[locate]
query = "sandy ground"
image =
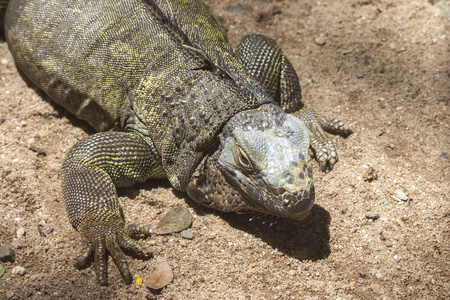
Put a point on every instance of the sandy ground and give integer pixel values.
(383, 66)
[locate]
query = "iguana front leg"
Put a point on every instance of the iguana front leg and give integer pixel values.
(265, 61)
(322, 146)
(92, 170)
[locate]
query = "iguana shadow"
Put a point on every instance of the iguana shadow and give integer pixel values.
(308, 239)
(303, 240)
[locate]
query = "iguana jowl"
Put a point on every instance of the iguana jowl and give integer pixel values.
(227, 128)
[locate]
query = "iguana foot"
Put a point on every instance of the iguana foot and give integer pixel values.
(323, 148)
(112, 238)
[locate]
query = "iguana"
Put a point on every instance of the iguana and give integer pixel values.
(160, 82)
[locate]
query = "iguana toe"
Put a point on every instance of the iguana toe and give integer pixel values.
(135, 230)
(336, 126)
(119, 259)
(85, 258)
(325, 153)
(100, 260)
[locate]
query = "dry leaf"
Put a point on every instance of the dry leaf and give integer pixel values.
(160, 277)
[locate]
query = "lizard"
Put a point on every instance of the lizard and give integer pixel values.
(170, 99)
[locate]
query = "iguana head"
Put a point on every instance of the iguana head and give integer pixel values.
(262, 165)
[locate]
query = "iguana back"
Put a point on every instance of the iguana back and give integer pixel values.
(88, 55)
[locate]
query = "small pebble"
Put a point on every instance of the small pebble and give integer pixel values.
(49, 230)
(235, 9)
(187, 234)
(401, 195)
(370, 174)
(33, 147)
(387, 243)
(18, 270)
(41, 152)
(7, 254)
(400, 222)
(41, 232)
(320, 40)
(20, 232)
(445, 10)
(9, 294)
(372, 216)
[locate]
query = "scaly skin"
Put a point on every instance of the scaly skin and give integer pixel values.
(227, 128)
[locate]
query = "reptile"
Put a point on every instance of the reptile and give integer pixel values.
(170, 99)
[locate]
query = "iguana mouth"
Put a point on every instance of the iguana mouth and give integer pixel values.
(278, 201)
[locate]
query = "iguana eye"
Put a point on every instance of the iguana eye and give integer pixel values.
(243, 159)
